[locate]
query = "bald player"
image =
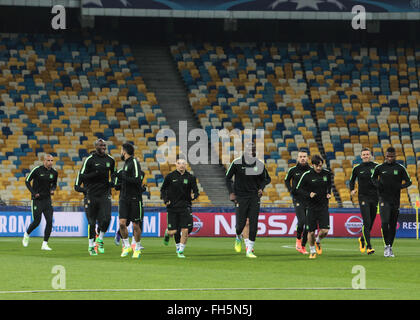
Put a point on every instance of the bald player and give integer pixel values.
(251, 177)
(176, 193)
(44, 183)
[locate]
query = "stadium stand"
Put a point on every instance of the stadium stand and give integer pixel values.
(58, 96)
(333, 99)
(365, 97)
(243, 86)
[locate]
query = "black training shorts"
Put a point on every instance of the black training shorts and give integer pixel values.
(179, 218)
(318, 217)
(131, 210)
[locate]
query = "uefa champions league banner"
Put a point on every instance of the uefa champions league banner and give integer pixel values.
(406, 226)
(68, 224)
(260, 5)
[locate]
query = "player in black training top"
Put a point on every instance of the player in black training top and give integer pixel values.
(117, 185)
(96, 174)
(44, 184)
(388, 177)
(368, 197)
(292, 178)
(251, 177)
(176, 192)
(131, 201)
(315, 187)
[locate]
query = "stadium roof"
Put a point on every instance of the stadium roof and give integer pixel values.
(239, 9)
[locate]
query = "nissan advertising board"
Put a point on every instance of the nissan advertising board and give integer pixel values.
(211, 224)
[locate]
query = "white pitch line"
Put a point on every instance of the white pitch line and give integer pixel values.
(333, 249)
(177, 289)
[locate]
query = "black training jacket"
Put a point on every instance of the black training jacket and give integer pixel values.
(177, 189)
(249, 178)
(96, 173)
(130, 180)
(292, 179)
(388, 177)
(363, 173)
(44, 181)
(319, 183)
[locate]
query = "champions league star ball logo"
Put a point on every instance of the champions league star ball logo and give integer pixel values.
(307, 4)
(354, 225)
(197, 225)
(99, 3)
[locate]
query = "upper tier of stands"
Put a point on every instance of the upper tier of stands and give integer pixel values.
(58, 96)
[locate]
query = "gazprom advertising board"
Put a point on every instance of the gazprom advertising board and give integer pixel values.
(68, 224)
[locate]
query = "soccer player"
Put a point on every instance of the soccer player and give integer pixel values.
(388, 177)
(251, 177)
(368, 197)
(176, 191)
(44, 184)
(292, 178)
(131, 202)
(315, 187)
(96, 173)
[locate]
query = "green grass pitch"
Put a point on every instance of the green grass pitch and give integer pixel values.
(210, 263)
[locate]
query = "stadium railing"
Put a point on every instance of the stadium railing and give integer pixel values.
(76, 205)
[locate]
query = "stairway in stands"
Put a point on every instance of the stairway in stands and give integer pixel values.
(319, 140)
(161, 77)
